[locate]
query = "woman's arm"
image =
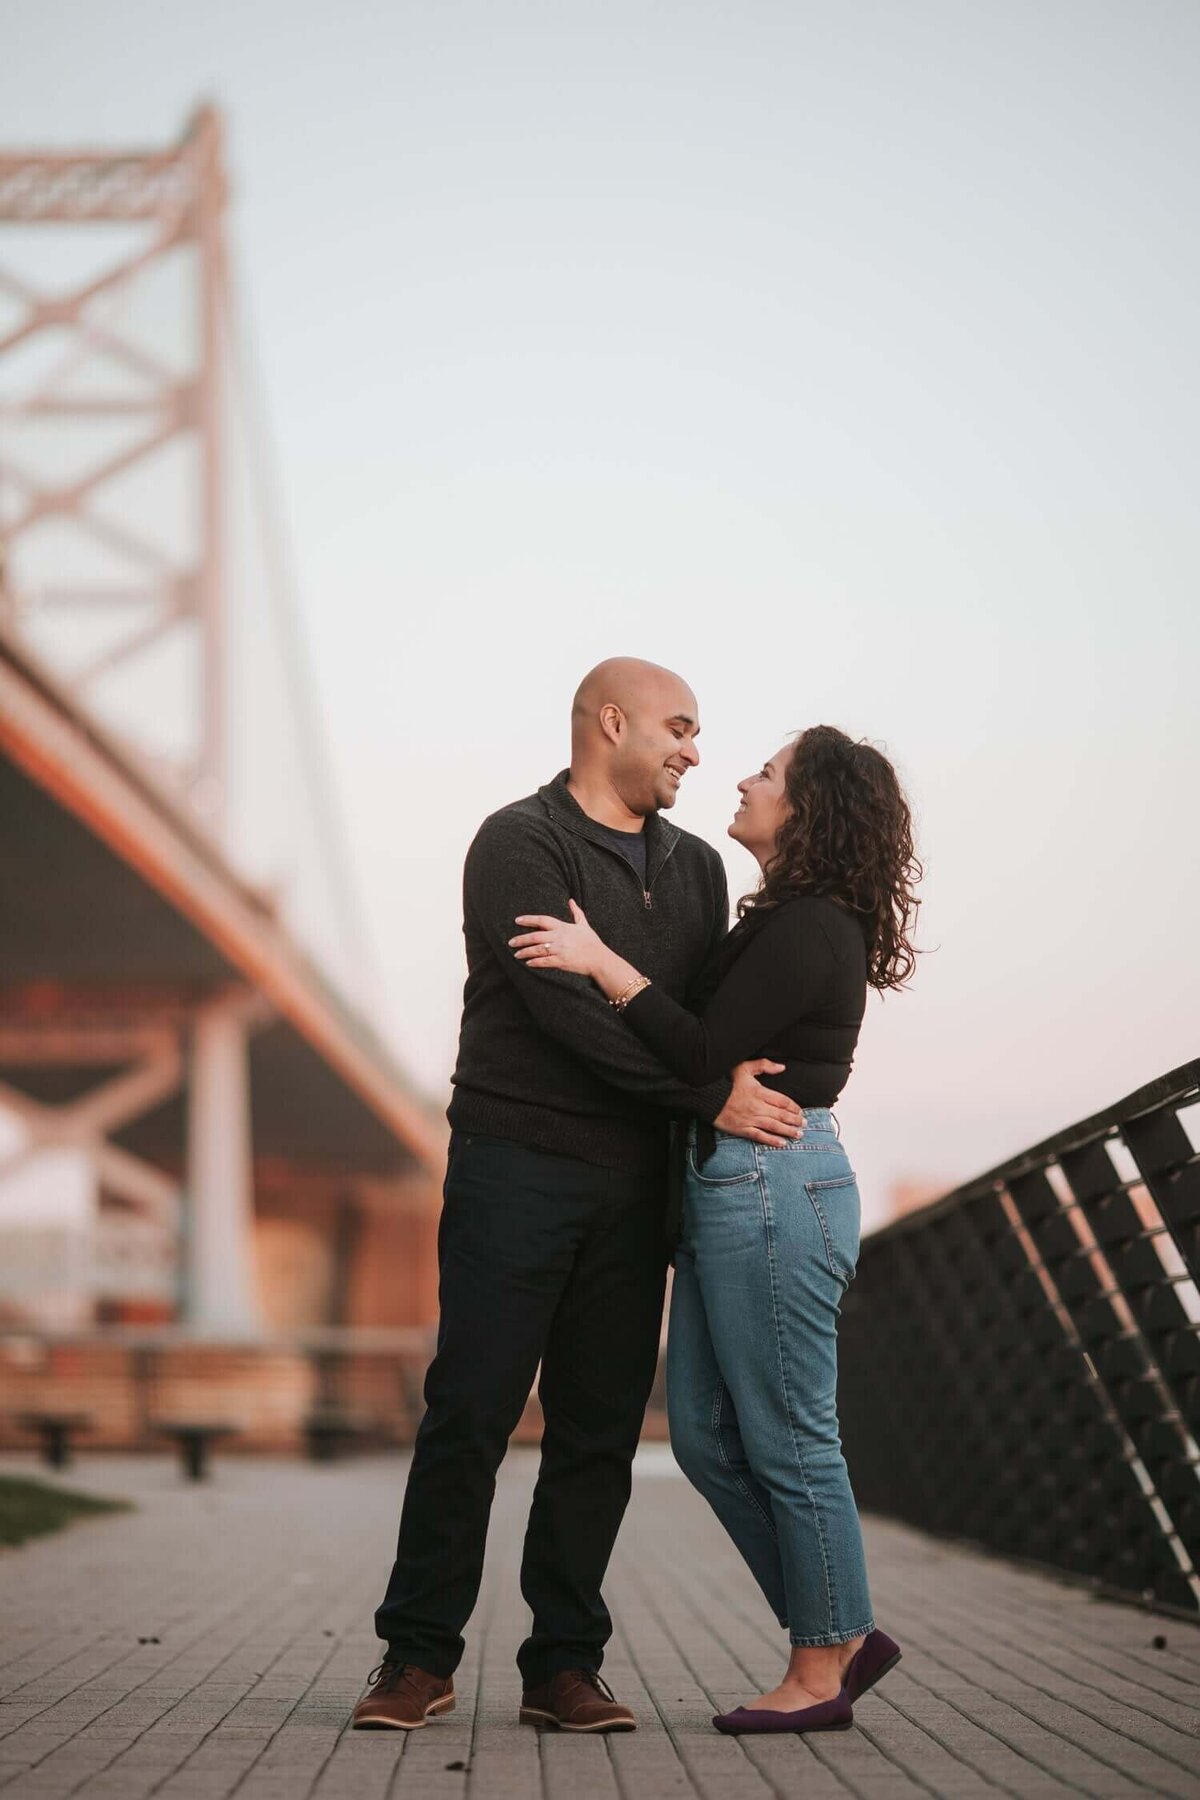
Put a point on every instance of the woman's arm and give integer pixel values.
(555, 944)
(781, 975)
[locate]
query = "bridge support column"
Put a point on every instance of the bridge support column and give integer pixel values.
(219, 1284)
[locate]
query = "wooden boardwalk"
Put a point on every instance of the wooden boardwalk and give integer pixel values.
(213, 1642)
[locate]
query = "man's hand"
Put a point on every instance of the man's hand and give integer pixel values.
(757, 1112)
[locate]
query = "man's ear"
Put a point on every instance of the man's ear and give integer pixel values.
(612, 722)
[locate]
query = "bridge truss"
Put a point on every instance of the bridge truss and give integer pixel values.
(158, 1012)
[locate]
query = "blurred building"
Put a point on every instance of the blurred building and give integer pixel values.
(909, 1193)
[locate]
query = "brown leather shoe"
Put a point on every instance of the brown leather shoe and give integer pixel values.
(403, 1697)
(576, 1700)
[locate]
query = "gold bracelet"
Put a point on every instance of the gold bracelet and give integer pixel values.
(626, 995)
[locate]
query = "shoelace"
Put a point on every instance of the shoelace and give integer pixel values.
(387, 1673)
(598, 1682)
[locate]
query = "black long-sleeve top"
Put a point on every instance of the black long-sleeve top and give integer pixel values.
(789, 983)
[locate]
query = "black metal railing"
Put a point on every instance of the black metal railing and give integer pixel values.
(1020, 1361)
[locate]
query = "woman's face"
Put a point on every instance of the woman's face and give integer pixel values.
(764, 807)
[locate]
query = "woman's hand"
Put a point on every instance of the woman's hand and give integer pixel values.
(555, 944)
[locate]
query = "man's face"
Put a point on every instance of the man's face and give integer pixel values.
(658, 747)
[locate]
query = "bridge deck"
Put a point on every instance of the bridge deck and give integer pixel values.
(212, 1643)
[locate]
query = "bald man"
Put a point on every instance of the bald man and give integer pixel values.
(552, 1247)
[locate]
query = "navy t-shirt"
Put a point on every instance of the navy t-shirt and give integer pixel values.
(629, 844)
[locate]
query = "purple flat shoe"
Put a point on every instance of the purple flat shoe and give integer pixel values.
(876, 1655)
(831, 1715)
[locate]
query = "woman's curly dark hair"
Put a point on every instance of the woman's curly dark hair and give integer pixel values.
(848, 836)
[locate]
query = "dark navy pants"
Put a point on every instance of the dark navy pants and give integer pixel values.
(543, 1259)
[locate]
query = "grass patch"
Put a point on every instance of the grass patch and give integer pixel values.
(30, 1508)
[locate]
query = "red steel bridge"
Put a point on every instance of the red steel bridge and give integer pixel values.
(176, 1014)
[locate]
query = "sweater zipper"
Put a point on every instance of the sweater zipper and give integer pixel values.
(647, 896)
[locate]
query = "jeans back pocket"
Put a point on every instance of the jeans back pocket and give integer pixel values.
(836, 1205)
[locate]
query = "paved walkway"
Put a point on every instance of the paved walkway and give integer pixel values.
(213, 1643)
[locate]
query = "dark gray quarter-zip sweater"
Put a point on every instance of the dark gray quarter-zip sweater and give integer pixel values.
(542, 1057)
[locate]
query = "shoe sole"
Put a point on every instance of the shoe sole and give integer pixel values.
(782, 1730)
(879, 1674)
(533, 1715)
(439, 1706)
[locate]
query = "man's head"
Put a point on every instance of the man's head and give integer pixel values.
(633, 726)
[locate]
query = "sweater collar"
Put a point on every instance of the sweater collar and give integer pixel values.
(560, 803)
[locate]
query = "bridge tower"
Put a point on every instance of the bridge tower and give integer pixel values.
(114, 541)
(118, 361)
(113, 445)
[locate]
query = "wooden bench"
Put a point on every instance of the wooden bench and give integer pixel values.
(193, 1439)
(55, 1430)
(329, 1432)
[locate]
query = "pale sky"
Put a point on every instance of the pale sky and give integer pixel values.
(841, 357)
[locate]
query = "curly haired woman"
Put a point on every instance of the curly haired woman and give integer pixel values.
(770, 1235)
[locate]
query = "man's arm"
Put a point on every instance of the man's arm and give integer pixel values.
(720, 920)
(751, 1110)
(504, 877)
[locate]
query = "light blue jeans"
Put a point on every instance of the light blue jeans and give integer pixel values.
(770, 1241)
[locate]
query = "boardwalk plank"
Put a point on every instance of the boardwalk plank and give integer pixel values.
(260, 1590)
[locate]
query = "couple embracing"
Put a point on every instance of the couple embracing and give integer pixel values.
(608, 1013)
